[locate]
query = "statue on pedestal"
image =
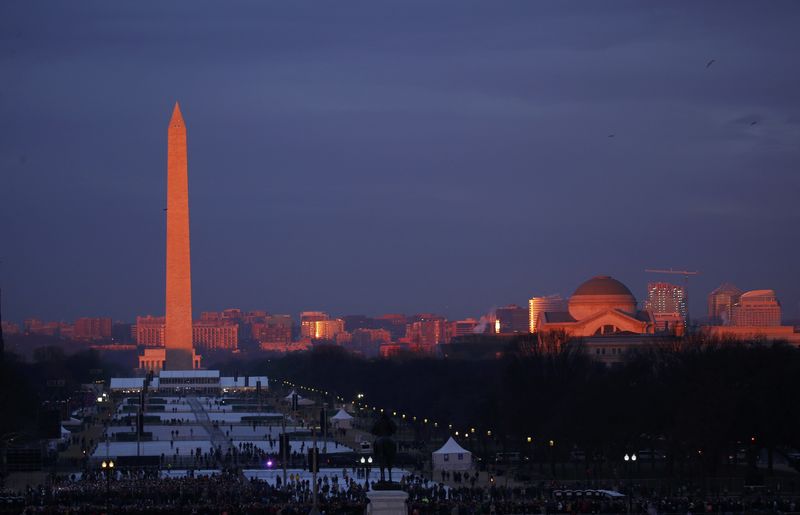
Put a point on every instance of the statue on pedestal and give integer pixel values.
(385, 448)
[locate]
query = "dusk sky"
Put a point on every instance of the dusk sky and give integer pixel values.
(373, 157)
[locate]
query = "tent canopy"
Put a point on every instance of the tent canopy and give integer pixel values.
(451, 447)
(342, 415)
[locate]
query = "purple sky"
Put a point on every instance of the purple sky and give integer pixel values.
(370, 157)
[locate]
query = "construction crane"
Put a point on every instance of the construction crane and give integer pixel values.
(685, 274)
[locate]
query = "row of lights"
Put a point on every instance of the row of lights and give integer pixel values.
(466, 434)
(359, 396)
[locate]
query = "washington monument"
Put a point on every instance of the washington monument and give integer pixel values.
(178, 330)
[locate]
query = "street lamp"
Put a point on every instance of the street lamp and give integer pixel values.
(108, 468)
(366, 463)
(529, 439)
(630, 458)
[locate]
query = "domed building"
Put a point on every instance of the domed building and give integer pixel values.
(600, 306)
(598, 294)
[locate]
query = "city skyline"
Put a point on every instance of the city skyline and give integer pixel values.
(416, 186)
(410, 223)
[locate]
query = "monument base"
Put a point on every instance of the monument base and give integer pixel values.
(160, 358)
(387, 502)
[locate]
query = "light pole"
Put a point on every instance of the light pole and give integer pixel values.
(108, 469)
(314, 465)
(366, 464)
(629, 461)
(530, 453)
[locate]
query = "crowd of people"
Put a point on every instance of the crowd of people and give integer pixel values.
(229, 492)
(135, 491)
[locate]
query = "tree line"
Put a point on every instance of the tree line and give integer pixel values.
(699, 406)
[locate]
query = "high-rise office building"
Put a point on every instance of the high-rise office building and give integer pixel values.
(721, 302)
(207, 333)
(325, 329)
(427, 330)
(308, 320)
(666, 299)
(150, 331)
(757, 308)
(215, 335)
(539, 305)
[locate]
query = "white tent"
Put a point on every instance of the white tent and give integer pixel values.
(452, 457)
(342, 420)
(301, 401)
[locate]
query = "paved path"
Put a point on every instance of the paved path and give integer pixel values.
(218, 438)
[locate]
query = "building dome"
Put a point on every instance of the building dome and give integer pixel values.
(599, 294)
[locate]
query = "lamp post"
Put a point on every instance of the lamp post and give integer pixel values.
(529, 440)
(314, 465)
(629, 461)
(366, 464)
(108, 469)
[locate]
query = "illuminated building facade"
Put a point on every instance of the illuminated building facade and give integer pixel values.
(326, 329)
(427, 330)
(317, 325)
(755, 317)
(757, 308)
(721, 302)
(538, 305)
(600, 311)
(308, 320)
(665, 298)
(213, 335)
(208, 333)
(150, 331)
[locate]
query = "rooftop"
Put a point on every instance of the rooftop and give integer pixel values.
(602, 285)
